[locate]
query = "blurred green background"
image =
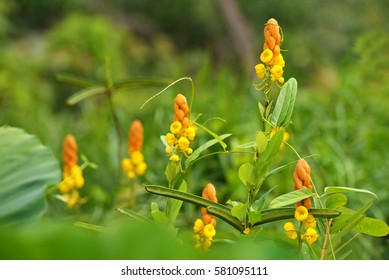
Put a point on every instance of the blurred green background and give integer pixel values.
(337, 50)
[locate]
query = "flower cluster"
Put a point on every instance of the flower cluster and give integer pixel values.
(204, 234)
(72, 173)
(272, 66)
(135, 164)
(204, 228)
(181, 133)
(302, 179)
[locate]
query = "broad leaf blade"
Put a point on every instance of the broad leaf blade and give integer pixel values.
(292, 92)
(370, 226)
(330, 190)
(290, 198)
(336, 200)
(246, 174)
(27, 168)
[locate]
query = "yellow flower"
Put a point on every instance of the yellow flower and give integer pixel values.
(175, 127)
(75, 179)
(137, 157)
(198, 226)
(310, 222)
(207, 244)
(131, 174)
(183, 143)
(127, 164)
(190, 133)
(292, 234)
(141, 168)
(170, 139)
(279, 60)
(174, 158)
(189, 151)
(277, 72)
(301, 213)
(64, 187)
(72, 198)
(266, 55)
(289, 226)
(246, 231)
(209, 231)
(260, 70)
(290, 230)
(310, 236)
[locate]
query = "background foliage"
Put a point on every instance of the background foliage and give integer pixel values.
(336, 50)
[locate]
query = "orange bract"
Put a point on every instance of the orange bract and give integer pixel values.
(69, 152)
(302, 179)
(272, 37)
(181, 110)
(209, 193)
(135, 136)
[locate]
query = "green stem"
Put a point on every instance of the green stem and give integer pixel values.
(115, 118)
(224, 212)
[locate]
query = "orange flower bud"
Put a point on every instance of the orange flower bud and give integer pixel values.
(272, 36)
(135, 136)
(181, 110)
(209, 193)
(302, 179)
(69, 152)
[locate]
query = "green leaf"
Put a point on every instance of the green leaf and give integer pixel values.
(75, 80)
(26, 169)
(336, 200)
(259, 204)
(158, 216)
(172, 170)
(330, 190)
(290, 198)
(246, 174)
(85, 93)
(217, 137)
(367, 225)
(174, 205)
(261, 141)
(196, 153)
(345, 223)
(135, 216)
(90, 227)
(265, 159)
(292, 91)
(283, 109)
(261, 109)
(254, 216)
(239, 210)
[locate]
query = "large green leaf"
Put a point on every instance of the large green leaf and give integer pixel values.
(367, 225)
(290, 198)
(330, 190)
(283, 109)
(26, 168)
(265, 159)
